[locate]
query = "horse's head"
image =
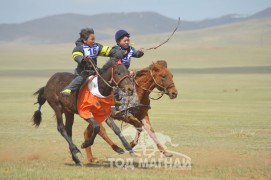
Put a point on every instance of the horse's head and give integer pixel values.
(118, 75)
(163, 78)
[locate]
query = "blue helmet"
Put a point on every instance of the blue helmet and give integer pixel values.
(120, 33)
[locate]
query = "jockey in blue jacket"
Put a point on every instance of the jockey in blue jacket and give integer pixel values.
(122, 38)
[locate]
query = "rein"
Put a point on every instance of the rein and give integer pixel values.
(112, 74)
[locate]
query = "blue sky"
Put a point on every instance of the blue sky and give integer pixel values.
(18, 11)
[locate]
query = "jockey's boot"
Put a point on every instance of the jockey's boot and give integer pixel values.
(114, 111)
(66, 92)
(118, 103)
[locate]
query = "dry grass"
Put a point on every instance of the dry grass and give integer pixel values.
(221, 121)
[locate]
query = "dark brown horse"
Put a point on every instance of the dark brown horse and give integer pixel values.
(157, 75)
(112, 73)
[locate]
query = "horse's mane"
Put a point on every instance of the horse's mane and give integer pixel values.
(142, 71)
(107, 65)
(147, 69)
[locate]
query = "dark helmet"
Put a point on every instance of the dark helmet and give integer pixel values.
(121, 33)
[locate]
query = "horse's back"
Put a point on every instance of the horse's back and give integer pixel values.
(55, 85)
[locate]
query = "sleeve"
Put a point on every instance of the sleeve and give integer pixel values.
(78, 54)
(136, 53)
(109, 52)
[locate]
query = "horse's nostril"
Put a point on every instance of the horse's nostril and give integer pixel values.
(173, 95)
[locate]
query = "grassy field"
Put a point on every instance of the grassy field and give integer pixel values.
(221, 121)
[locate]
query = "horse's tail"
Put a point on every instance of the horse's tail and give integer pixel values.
(41, 100)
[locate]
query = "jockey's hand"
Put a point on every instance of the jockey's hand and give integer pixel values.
(87, 59)
(141, 51)
(132, 73)
(124, 53)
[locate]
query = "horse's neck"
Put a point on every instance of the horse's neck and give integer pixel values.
(144, 82)
(104, 89)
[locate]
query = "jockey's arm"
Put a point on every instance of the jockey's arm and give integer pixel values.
(110, 52)
(137, 53)
(78, 54)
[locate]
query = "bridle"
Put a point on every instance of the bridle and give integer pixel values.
(112, 74)
(164, 91)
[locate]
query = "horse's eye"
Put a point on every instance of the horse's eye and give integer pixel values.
(164, 77)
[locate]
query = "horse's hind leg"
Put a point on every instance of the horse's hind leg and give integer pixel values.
(68, 126)
(87, 134)
(69, 123)
(62, 130)
(104, 135)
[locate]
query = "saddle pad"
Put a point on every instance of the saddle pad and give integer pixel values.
(92, 104)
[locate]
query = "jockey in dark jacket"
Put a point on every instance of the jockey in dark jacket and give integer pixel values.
(122, 38)
(87, 50)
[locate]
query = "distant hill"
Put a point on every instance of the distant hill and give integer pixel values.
(65, 27)
(249, 33)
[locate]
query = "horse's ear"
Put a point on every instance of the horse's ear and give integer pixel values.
(155, 68)
(162, 62)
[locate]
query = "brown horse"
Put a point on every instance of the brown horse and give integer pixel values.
(157, 75)
(112, 73)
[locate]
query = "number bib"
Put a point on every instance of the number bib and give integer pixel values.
(126, 59)
(91, 51)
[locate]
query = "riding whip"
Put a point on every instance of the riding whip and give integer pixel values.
(155, 47)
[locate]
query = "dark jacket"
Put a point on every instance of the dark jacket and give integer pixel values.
(82, 50)
(131, 52)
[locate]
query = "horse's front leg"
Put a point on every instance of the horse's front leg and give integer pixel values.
(138, 125)
(115, 147)
(149, 129)
(104, 135)
(110, 122)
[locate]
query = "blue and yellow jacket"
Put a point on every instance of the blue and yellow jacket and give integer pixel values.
(82, 50)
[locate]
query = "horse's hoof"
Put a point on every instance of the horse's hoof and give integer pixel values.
(76, 160)
(93, 160)
(75, 151)
(78, 164)
(85, 145)
(133, 154)
(118, 149)
(132, 144)
(167, 154)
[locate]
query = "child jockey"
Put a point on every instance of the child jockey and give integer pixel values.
(122, 38)
(87, 50)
